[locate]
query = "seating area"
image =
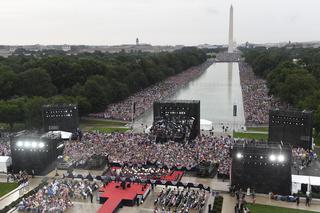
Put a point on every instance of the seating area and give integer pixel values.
(176, 200)
(54, 197)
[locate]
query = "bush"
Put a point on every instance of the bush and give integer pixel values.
(217, 206)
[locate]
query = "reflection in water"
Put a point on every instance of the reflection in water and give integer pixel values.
(229, 82)
(218, 89)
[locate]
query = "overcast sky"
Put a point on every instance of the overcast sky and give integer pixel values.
(188, 22)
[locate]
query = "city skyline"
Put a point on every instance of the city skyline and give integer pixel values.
(179, 22)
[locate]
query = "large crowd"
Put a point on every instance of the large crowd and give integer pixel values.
(144, 99)
(183, 201)
(54, 197)
(256, 100)
(57, 196)
(138, 172)
(4, 145)
(142, 149)
(21, 178)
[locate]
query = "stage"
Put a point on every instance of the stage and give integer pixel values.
(112, 196)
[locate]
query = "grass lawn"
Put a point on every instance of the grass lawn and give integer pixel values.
(89, 124)
(109, 129)
(7, 187)
(258, 129)
(258, 208)
(256, 136)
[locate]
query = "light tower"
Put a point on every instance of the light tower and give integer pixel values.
(231, 43)
(137, 41)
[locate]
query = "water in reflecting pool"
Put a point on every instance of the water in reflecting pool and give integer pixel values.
(218, 89)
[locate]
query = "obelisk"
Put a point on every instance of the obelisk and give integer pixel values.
(231, 43)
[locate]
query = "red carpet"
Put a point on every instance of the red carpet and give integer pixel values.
(117, 195)
(175, 176)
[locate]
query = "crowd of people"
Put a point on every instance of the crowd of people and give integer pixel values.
(256, 100)
(21, 178)
(139, 172)
(165, 129)
(141, 149)
(143, 100)
(182, 201)
(57, 196)
(54, 197)
(302, 158)
(4, 145)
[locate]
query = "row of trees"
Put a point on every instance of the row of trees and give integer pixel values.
(292, 75)
(91, 80)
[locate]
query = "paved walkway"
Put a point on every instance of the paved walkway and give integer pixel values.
(229, 203)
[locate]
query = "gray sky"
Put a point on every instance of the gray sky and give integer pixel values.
(189, 22)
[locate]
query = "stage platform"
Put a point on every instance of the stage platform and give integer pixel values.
(112, 196)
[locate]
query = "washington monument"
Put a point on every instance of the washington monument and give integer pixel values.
(231, 43)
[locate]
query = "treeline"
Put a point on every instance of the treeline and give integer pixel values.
(91, 80)
(292, 74)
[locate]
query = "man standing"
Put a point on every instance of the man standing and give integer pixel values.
(91, 196)
(307, 200)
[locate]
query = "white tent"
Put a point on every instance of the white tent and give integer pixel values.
(297, 180)
(64, 135)
(205, 125)
(5, 161)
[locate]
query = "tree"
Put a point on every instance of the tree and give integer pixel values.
(7, 82)
(97, 91)
(10, 113)
(297, 86)
(311, 101)
(84, 105)
(36, 82)
(33, 112)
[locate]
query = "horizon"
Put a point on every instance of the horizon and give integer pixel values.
(120, 44)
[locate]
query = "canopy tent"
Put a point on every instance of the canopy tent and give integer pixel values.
(64, 135)
(205, 125)
(297, 180)
(5, 161)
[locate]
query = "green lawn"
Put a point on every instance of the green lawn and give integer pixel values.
(7, 187)
(90, 124)
(258, 129)
(258, 208)
(256, 136)
(109, 129)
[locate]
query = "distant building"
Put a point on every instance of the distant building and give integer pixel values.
(137, 41)
(66, 47)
